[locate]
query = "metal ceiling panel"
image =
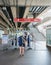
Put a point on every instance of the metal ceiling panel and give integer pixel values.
(1, 22)
(34, 9)
(21, 11)
(2, 14)
(25, 14)
(37, 9)
(40, 9)
(30, 9)
(5, 12)
(6, 2)
(1, 25)
(21, 2)
(13, 9)
(41, 2)
(11, 16)
(28, 2)
(1, 2)
(43, 9)
(13, 2)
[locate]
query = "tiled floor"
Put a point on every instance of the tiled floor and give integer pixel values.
(39, 55)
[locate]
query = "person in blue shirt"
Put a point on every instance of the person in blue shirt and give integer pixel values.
(21, 45)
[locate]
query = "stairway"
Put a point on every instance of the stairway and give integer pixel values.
(37, 34)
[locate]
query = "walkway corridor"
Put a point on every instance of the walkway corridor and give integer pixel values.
(39, 55)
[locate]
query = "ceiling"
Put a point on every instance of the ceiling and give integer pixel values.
(25, 2)
(10, 9)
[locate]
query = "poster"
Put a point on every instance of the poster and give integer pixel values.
(4, 39)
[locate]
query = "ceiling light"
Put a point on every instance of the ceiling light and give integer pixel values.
(4, 8)
(10, 19)
(33, 9)
(37, 8)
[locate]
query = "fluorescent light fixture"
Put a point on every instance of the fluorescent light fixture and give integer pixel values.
(4, 8)
(40, 9)
(33, 9)
(10, 19)
(43, 9)
(37, 8)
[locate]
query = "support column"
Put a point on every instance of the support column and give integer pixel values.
(6, 31)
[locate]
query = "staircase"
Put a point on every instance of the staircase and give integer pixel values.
(37, 34)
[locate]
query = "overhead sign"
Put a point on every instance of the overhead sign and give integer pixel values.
(27, 20)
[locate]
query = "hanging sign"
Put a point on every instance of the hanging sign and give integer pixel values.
(27, 20)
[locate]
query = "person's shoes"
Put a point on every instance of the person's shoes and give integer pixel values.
(22, 54)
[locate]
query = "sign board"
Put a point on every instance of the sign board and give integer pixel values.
(4, 39)
(27, 20)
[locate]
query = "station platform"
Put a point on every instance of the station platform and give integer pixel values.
(39, 55)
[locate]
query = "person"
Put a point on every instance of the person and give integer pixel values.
(28, 40)
(12, 42)
(25, 37)
(16, 40)
(15, 44)
(21, 45)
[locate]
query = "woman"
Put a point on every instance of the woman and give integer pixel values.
(21, 45)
